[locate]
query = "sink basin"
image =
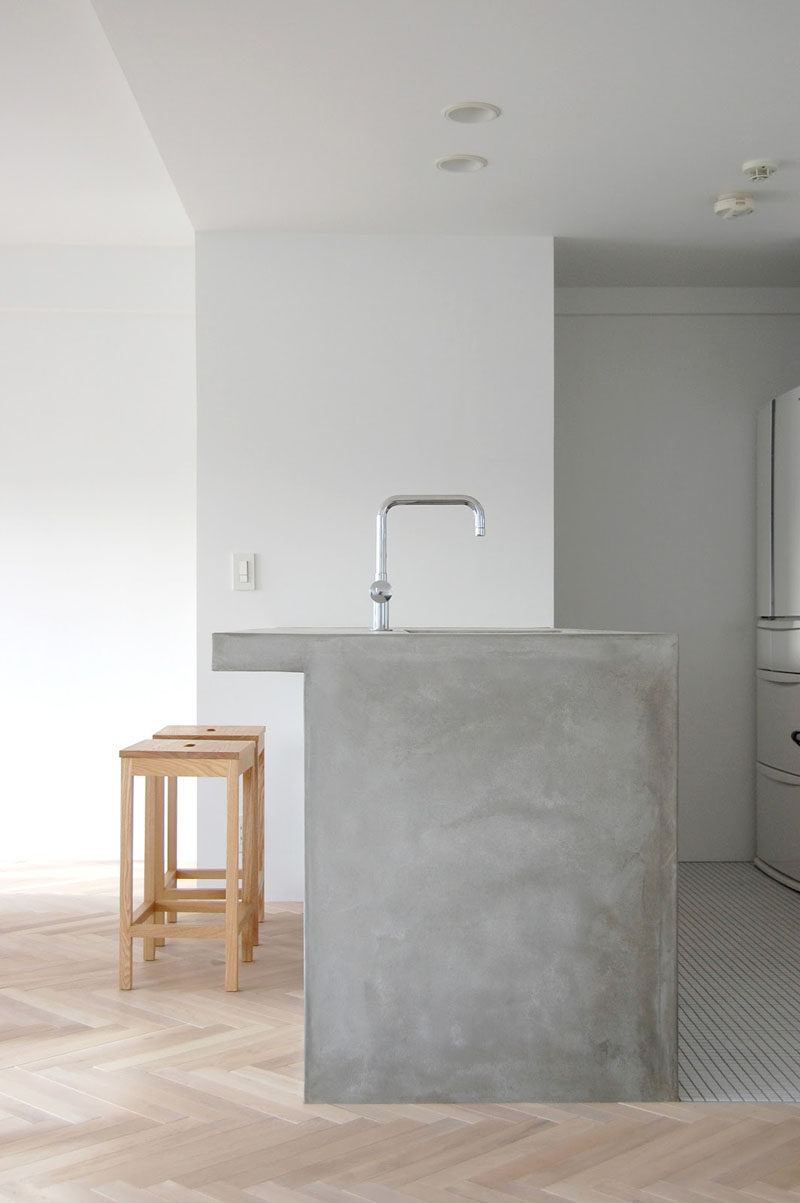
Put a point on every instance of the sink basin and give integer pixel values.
(410, 631)
(468, 631)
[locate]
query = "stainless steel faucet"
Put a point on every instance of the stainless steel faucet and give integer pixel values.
(380, 590)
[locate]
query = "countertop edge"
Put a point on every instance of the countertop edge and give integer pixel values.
(279, 649)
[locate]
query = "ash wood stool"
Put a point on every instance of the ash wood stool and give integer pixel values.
(155, 760)
(175, 874)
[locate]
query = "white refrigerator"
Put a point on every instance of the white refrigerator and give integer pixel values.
(778, 639)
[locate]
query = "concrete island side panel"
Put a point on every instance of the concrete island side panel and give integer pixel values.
(490, 856)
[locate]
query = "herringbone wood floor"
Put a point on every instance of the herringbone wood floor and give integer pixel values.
(177, 1091)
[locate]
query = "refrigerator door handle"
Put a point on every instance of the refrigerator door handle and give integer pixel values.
(778, 678)
(766, 770)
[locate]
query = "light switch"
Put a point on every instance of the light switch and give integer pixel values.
(244, 570)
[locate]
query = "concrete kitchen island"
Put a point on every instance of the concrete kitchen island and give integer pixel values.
(490, 861)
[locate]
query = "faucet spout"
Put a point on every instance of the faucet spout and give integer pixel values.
(381, 590)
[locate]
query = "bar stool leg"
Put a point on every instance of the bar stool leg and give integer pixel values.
(250, 861)
(158, 850)
(232, 883)
(262, 868)
(172, 838)
(126, 879)
(150, 857)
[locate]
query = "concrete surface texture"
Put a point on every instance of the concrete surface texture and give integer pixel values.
(490, 848)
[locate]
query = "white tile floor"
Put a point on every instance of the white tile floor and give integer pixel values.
(739, 985)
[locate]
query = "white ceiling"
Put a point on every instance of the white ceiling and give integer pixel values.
(622, 120)
(79, 165)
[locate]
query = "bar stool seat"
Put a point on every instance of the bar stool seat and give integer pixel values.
(155, 760)
(204, 732)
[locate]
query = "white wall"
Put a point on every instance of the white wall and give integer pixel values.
(332, 372)
(97, 539)
(656, 396)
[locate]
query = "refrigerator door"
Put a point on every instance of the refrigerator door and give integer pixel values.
(778, 644)
(778, 824)
(764, 510)
(785, 576)
(778, 720)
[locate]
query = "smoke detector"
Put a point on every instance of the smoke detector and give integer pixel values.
(734, 204)
(759, 169)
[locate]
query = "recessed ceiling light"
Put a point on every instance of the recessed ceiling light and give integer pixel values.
(471, 112)
(462, 163)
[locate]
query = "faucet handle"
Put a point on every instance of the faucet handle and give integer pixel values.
(380, 591)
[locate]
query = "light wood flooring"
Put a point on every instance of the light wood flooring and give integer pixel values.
(178, 1091)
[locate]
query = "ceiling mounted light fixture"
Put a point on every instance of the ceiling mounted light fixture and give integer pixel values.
(472, 112)
(462, 163)
(734, 204)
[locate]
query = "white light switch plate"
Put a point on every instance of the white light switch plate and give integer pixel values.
(244, 570)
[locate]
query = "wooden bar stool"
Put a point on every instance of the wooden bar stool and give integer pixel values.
(173, 872)
(156, 759)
